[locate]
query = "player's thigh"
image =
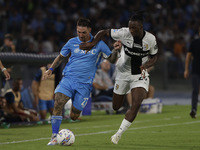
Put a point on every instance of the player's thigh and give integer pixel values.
(117, 101)
(120, 89)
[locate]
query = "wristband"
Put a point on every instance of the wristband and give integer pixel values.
(51, 69)
(3, 69)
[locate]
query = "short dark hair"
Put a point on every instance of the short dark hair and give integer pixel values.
(83, 22)
(8, 36)
(138, 16)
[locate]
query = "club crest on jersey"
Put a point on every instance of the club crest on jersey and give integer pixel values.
(117, 86)
(146, 46)
(76, 50)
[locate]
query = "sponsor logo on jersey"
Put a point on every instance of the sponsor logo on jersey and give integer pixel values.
(135, 53)
(137, 45)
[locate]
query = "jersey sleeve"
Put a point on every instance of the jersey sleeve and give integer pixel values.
(105, 49)
(154, 48)
(10, 98)
(66, 49)
(38, 75)
(117, 34)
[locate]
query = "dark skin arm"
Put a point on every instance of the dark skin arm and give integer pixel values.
(148, 64)
(114, 56)
(99, 36)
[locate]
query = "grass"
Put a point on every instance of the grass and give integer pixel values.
(173, 129)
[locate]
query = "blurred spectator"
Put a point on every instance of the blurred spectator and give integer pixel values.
(5, 115)
(193, 55)
(103, 82)
(8, 44)
(169, 20)
(43, 91)
(15, 105)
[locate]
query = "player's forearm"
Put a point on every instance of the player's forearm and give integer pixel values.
(187, 61)
(58, 60)
(100, 35)
(114, 56)
(150, 62)
(1, 65)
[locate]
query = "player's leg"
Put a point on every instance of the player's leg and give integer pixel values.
(139, 92)
(50, 105)
(120, 89)
(195, 92)
(56, 119)
(75, 113)
(43, 109)
(151, 92)
(117, 101)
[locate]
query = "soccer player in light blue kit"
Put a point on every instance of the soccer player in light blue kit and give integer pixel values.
(78, 74)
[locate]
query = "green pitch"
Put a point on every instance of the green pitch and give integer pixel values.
(171, 130)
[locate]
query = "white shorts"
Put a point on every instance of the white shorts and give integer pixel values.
(124, 86)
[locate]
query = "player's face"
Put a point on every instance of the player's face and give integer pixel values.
(83, 33)
(136, 28)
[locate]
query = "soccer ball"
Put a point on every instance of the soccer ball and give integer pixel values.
(65, 137)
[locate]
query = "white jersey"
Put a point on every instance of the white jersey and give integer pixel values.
(134, 52)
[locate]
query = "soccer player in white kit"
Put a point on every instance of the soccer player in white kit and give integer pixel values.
(138, 53)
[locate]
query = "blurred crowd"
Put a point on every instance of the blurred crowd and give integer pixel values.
(43, 26)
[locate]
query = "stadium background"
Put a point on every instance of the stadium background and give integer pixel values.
(43, 26)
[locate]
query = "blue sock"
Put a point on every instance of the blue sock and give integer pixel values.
(55, 123)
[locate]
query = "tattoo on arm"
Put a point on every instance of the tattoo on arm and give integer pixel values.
(57, 61)
(113, 57)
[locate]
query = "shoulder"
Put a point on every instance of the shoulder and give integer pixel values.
(123, 30)
(149, 37)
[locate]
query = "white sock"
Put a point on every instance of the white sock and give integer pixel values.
(123, 127)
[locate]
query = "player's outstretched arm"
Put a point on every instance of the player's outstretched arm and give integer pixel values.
(4, 70)
(99, 36)
(114, 56)
(58, 60)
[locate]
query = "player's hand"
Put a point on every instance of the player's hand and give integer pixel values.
(143, 71)
(47, 74)
(118, 45)
(186, 74)
(86, 46)
(7, 75)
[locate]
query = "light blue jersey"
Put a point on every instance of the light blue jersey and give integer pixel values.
(81, 66)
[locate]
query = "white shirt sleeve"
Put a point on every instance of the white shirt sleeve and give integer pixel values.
(117, 34)
(154, 48)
